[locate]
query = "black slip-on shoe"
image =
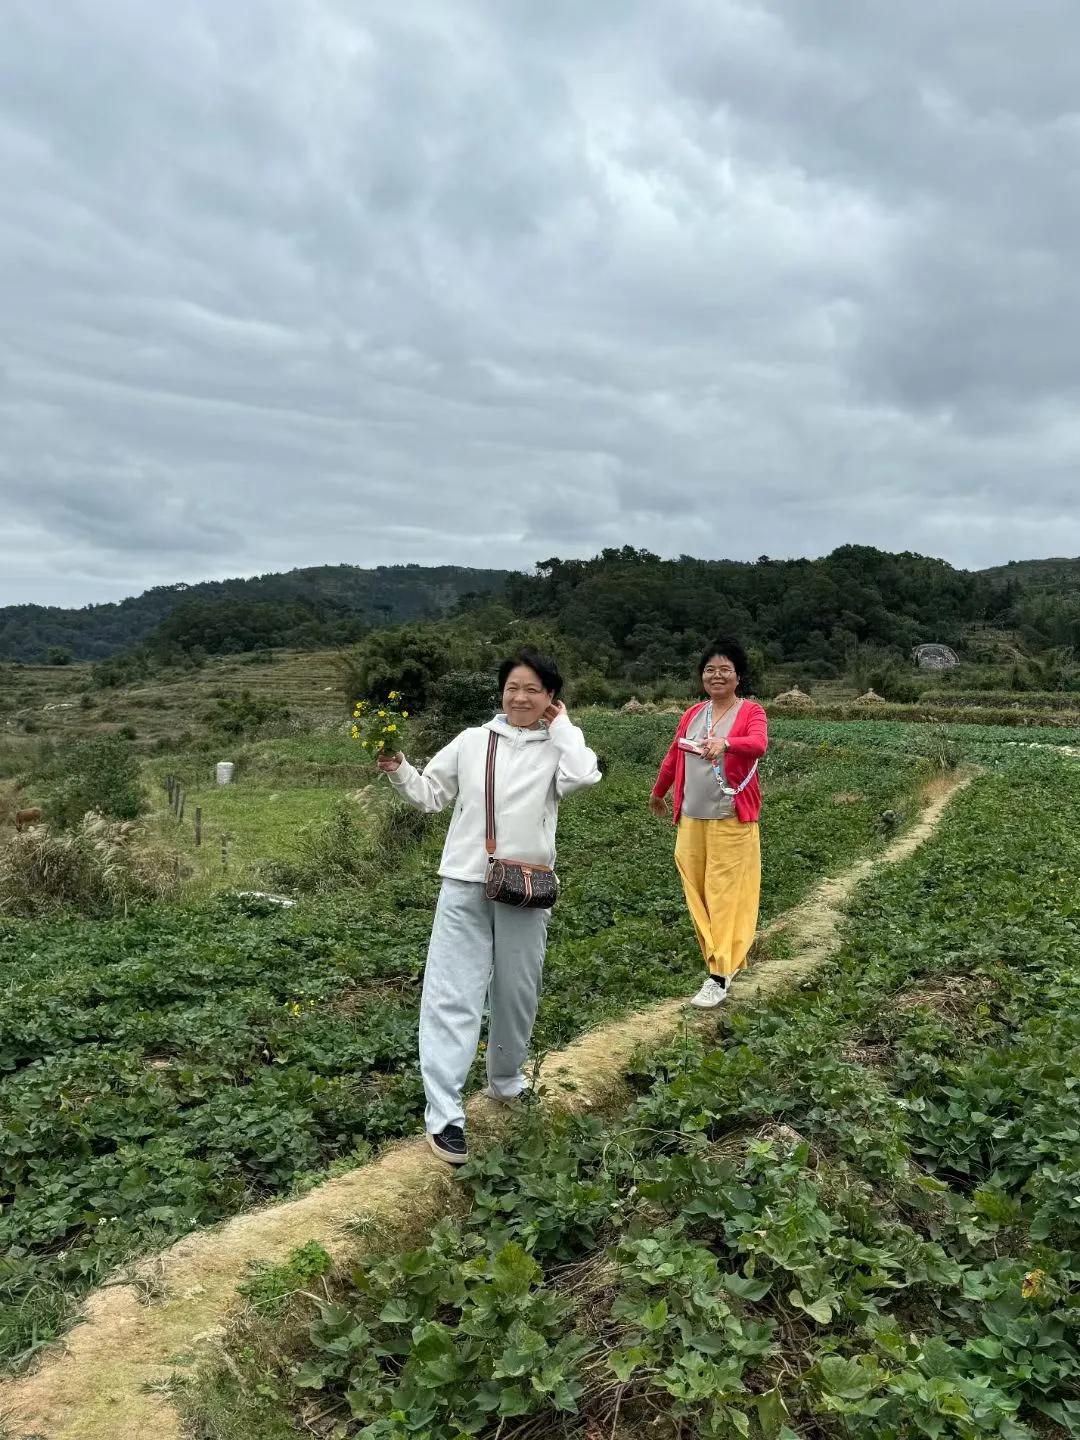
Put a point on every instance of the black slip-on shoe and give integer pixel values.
(450, 1145)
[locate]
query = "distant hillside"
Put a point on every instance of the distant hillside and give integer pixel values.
(1058, 573)
(329, 596)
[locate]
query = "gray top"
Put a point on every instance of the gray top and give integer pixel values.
(703, 798)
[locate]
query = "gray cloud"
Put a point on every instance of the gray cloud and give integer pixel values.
(288, 282)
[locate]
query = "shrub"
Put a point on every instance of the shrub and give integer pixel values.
(590, 689)
(99, 868)
(465, 697)
(100, 774)
(246, 714)
(361, 841)
(892, 678)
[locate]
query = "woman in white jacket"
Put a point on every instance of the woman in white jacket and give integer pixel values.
(479, 947)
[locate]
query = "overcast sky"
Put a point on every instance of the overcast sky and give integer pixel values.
(292, 282)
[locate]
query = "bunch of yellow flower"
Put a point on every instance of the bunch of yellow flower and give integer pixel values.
(380, 728)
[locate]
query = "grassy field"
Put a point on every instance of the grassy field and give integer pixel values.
(60, 702)
(161, 1070)
(854, 1214)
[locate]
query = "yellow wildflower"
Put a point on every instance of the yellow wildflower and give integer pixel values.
(394, 695)
(363, 744)
(404, 714)
(382, 714)
(1032, 1284)
(355, 733)
(390, 728)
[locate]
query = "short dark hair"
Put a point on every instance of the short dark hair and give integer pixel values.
(734, 652)
(549, 673)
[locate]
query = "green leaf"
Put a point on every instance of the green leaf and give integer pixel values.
(514, 1271)
(513, 1401)
(770, 1413)
(625, 1362)
(310, 1376)
(656, 1317)
(746, 1287)
(846, 1378)
(820, 1310)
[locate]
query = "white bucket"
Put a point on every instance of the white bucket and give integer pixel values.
(224, 770)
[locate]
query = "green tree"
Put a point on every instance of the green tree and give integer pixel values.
(100, 773)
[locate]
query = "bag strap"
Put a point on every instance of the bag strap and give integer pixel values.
(489, 792)
(718, 771)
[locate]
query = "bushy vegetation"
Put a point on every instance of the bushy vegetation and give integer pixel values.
(95, 868)
(101, 773)
(245, 715)
(940, 713)
(853, 1213)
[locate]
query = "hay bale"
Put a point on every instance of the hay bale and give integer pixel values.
(871, 697)
(793, 699)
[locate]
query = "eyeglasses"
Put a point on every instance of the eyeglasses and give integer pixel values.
(723, 673)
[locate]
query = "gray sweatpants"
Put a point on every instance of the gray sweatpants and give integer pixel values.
(477, 949)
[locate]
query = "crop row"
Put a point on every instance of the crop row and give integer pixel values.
(854, 1214)
(933, 713)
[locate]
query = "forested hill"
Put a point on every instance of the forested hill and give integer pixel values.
(628, 611)
(322, 605)
(1057, 573)
(623, 606)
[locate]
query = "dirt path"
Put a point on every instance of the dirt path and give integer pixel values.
(107, 1383)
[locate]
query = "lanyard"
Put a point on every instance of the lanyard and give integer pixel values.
(718, 765)
(732, 790)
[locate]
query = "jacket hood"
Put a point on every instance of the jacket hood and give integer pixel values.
(501, 726)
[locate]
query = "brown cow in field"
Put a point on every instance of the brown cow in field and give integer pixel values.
(25, 818)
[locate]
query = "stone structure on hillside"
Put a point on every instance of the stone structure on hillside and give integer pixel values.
(936, 657)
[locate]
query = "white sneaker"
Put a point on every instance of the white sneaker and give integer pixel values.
(711, 994)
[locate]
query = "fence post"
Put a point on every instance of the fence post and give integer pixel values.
(224, 853)
(198, 824)
(180, 812)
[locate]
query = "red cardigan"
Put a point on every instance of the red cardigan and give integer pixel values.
(747, 742)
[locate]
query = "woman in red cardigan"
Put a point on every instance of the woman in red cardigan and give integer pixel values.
(712, 764)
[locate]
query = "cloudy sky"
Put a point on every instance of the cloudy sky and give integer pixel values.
(290, 282)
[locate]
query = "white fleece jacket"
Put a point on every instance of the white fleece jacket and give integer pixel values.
(534, 770)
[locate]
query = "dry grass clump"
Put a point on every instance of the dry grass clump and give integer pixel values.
(99, 868)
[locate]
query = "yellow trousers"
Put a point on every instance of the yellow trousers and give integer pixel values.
(719, 862)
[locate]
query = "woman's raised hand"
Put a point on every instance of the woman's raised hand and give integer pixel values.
(387, 764)
(553, 711)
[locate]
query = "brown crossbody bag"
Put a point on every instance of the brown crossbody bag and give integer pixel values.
(513, 882)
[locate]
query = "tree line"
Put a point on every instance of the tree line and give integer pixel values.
(627, 613)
